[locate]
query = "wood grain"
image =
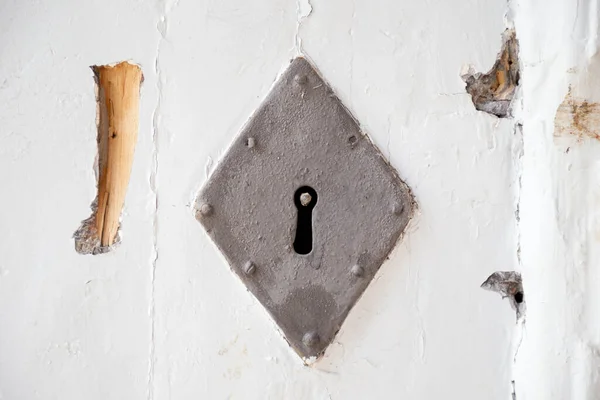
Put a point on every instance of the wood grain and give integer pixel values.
(118, 120)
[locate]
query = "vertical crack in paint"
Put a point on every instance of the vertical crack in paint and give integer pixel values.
(304, 9)
(165, 8)
(153, 189)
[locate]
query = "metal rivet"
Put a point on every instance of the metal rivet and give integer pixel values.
(311, 339)
(305, 199)
(250, 142)
(249, 268)
(357, 270)
(206, 209)
(301, 79)
(398, 208)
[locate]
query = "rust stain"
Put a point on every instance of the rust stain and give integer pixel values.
(577, 117)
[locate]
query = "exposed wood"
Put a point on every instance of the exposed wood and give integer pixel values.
(118, 119)
(119, 103)
(493, 92)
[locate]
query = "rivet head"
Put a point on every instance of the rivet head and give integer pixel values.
(205, 209)
(311, 339)
(301, 79)
(357, 270)
(398, 208)
(305, 199)
(249, 268)
(250, 142)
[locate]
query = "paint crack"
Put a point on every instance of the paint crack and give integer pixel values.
(304, 9)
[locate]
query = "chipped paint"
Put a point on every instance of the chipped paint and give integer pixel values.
(509, 285)
(493, 92)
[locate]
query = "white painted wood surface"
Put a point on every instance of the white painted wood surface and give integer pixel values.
(162, 317)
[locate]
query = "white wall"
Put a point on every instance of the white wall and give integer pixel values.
(559, 357)
(162, 317)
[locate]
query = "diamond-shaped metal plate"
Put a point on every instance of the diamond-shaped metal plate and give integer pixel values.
(302, 135)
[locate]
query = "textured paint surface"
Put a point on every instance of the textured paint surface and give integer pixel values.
(163, 317)
(559, 356)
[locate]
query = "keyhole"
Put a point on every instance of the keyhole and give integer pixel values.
(305, 200)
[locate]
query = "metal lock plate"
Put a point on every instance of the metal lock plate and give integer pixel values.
(305, 208)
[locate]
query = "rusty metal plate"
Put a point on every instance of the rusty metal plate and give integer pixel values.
(305, 208)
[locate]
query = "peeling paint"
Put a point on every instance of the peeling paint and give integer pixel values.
(493, 92)
(87, 239)
(304, 9)
(509, 285)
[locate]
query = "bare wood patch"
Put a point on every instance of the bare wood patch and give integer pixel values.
(493, 92)
(118, 95)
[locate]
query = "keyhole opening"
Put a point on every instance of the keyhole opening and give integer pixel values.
(305, 200)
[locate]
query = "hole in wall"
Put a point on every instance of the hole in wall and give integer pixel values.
(509, 285)
(518, 297)
(305, 200)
